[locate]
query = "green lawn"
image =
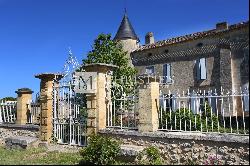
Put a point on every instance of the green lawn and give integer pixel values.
(37, 156)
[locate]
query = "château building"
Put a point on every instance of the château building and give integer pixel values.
(201, 61)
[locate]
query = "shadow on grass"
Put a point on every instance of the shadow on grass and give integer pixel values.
(83, 162)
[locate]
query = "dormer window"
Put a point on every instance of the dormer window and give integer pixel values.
(201, 69)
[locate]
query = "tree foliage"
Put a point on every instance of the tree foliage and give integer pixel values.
(106, 50)
(8, 99)
(100, 150)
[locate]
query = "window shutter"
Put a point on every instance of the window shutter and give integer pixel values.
(198, 104)
(203, 71)
(153, 70)
(212, 102)
(246, 100)
(161, 99)
(168, 73)
(165, 72)
(193, 103)
(174, 104)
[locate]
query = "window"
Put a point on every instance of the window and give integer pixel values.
(167, 73)
(150, 70)
(168, 102)
(212, 102)
(198, 103)
(245, 98)
(195, 104)
(201, 70)
(246, 103)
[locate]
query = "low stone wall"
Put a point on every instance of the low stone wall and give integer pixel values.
(13, 130)
(179, 147)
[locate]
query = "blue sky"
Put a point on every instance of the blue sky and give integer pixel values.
(35, 34)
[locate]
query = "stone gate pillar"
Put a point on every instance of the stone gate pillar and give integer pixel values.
(97, 104)
(24, 96)
(46, 103)
(148, 104)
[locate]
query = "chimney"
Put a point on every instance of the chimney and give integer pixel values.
(222, 26)
(149, 38)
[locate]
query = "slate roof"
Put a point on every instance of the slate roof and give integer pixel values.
(192, 36)
(125, 30)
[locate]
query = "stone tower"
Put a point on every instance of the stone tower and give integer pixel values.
(127, 37)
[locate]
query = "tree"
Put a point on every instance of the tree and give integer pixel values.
(8, 99)
(106, 50)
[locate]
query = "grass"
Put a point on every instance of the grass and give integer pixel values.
(38, 156)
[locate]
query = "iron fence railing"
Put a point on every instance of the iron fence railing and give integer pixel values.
(7, 111)
(205, 111)
(123, 113)
(33, 112)
(69, 116)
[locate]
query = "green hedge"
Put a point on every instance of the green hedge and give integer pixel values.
(207, 121)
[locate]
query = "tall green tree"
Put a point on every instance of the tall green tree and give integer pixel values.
(106, 50)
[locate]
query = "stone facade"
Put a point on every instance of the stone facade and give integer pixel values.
(178, 148)
(182, 56)
(226, 52)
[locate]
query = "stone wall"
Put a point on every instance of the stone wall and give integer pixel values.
(182, 56)
(129, 45)
(12, 130)
(177, 148)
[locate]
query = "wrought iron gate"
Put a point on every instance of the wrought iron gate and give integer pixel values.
(69, 109)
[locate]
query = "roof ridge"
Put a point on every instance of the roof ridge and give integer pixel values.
(190, 36)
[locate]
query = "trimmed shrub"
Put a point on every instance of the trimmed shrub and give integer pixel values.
(100, 151)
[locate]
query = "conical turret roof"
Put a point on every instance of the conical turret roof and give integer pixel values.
(125, 30)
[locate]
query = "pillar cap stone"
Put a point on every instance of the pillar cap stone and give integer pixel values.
(24, 91)
(98, 66)
(49, 75)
